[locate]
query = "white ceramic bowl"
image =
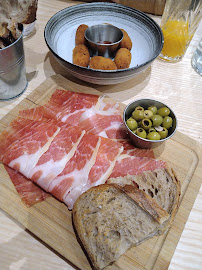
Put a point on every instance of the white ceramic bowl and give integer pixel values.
(144, 32)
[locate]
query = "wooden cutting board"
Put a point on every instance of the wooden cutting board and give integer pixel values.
(51, 221)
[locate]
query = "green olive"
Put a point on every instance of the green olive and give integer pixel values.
(153, 136)
(138, 115)
(167, 122)
(148, 114)
(139, 108)
(163, 133)
(152, 129)
(157, 120)
(164, 111)
(141, 133)
(153, 109)
(131, 123)
(146, 124)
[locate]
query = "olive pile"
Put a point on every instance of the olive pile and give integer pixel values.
(151, 124)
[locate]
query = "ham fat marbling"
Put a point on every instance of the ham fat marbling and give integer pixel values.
(70, 144)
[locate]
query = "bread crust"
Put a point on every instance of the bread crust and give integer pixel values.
(176, 201)
(146, 202)
(169, 172)
(152, 214)
(80, 229)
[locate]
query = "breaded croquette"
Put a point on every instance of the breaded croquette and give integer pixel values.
(80, 39)
(122, 58)
(81, 55)
(126, 41)
(103, 63)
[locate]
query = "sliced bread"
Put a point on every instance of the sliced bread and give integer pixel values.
(146, 202)
(161, 184)
(109, 219)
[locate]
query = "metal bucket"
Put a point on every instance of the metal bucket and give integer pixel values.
(13, 81)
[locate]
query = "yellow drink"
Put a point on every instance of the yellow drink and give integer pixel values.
(176, 39)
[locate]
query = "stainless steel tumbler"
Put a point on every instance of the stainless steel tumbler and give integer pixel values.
(13, 81)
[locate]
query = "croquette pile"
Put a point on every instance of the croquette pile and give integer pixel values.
(81, 55)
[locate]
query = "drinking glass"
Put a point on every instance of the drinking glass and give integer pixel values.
(30, 21)
(179, 23)
(196, 60)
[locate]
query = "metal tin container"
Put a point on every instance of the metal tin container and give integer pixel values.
(103, 39)
(13, 81)
(145, 103)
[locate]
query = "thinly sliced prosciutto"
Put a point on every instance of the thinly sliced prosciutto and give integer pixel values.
(130, 165)
(67, 106)
(64, 106)
(61, 150)
(131, 150)
(36, 114)
(29, 192)
(94, 169)
(107, 123)
(88, 111)
(106, 158)
(75, 175)
(24, 142)
(70, 144)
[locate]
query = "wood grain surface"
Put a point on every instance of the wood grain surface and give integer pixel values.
(51, 221)
(192, 234)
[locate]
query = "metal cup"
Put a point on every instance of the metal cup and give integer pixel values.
(103, 39)
(145, 103)
(13, 81)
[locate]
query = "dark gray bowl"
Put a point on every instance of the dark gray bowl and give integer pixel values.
(145, 103)
(144, 32)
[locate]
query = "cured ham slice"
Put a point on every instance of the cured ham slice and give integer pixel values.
(24, 142)
(95, 169)
(67, 106)
(131, 150)
(29, 192)
(88, 111)
(137, 152)
(111, 127)
(75, 175)
(128, 165)
(61, 150)
(36, 114)
(64, 106)
(109, 105)
(107, 155)
(70, 144)
(104, 123)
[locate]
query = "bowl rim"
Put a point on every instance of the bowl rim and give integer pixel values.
(152, 100)
(94, 4)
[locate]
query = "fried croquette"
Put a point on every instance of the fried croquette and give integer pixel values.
(79, 38)
(122, 58)
(81, 55)
(103, 63)
(126, 41)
